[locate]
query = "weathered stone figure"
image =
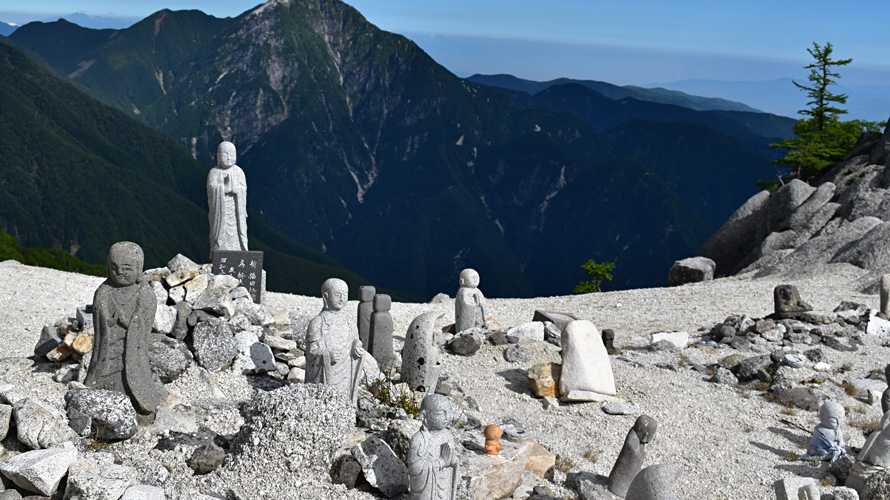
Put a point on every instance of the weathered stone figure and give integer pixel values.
(365, 308)
(827, 442)
(227, 201)
(787, 302)
(586, 369)
(632, 455)
(421, 363)
(380, 336)
(123, 313)
(469, 303)
(885, 398)
(333, 349)
(885, 295)
(873, 458)
(432, 455)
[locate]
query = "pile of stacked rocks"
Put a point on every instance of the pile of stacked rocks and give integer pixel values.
(201, 317)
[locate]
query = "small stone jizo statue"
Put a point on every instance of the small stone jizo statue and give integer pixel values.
(469, 303)
(123, 314)
(493, 444)
(873, 458)
(333, 350)
(432, 456)
(365, 308)
(787, 302)
(380, 331)
(633, 453)
(227, 201)
(827, 442)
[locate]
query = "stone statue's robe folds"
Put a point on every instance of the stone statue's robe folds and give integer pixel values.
(331, 337)
(428, 477)
(469, 309)
(122, 319)
(227, 208)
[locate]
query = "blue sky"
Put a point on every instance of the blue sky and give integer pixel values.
(622, 42)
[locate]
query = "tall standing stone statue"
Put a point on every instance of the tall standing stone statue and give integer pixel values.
(827, 442)
(123, 313)
(469, 303)
(333, 350)
(365, 308)
(632, 455)
(227, 202)
(432, 456)
(586, 369)
(380, 334)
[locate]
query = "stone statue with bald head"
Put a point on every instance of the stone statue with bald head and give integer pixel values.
(432, 456)
(333, 349)
(227, 202)
(124, 310)
(469, 303)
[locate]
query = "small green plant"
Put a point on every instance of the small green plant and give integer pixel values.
(590, 455)
(564, 464)
(598, 272)
(768, 185)
(792, 457)
(788, 411)
(867, 425)
(388, 394)
(97, 442)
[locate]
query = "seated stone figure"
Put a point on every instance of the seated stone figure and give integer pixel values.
(432, 456)
(123, 314)
(873, 458)
(787, 302)
(632, 455)
(333, 350)
(827, 442)
(469, 303)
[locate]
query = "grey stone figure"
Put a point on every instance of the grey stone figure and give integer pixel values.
(123, 313)
(808, 492)
(632, 455)
(873, 458)
(656, 482)
(885, 294)
(365, 308)
(421, 363)
(788, 303)
(469, 303)
(827, 442)
(333, 350)
(432, 456)
(227, 201)
(380, 336)
(885, 398)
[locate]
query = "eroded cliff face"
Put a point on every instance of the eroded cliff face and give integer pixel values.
(842, 219)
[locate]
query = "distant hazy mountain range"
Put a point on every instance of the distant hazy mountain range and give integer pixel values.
(781, 97)
(358, 144)
(6, 29)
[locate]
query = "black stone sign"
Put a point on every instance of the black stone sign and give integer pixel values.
(246, 266)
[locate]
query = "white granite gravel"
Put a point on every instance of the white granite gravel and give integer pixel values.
(731, 442)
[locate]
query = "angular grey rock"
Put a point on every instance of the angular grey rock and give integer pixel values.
(181, 326)
(656, 482)
(789, 487)
(421, 363)
(795, 360)
(398, 436)
(678, 339)
(110, 413)
(39, 425)
(144, 492)
(165, 319)
(213, 299)
(465, 344)
(754, 367)
(615, 408)
(724, 376)
(877, 326)
(533, 330)
(381, 467)
(842, 493)
(49, 340)
(346, 471)
(868, 251)
(559, 319)
(214, 344)
(691, 270)
(105, 482)
(877, 487)
(182, 263)
(585, 362)
(808, 208)
(257, 313)
(170, 358)
(516, 354)
(206, 459)
(252, 356)
(279, 343)
(5, 418)
(40, 471)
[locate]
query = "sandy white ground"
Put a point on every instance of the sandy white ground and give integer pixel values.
(732, 443)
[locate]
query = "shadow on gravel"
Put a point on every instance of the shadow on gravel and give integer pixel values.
(797, 438)
(517, 381)
(265, 383)
(801, 469)
(776, 451)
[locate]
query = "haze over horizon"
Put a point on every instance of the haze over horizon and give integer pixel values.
(646, 43)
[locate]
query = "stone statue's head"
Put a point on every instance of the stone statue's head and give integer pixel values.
(335, 293)
(469, 278)
(225, 154)
(808, 492)
(831, 415)
(435, 412)
(124, 263)
(644, 428)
